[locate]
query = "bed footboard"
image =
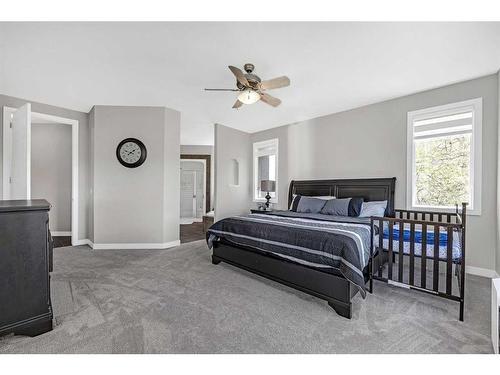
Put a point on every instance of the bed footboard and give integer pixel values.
(334, 289)
(422, 249)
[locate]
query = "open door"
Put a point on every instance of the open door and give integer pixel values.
(188, 194)
(20, 166)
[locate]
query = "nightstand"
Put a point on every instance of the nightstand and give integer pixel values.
(255, 211)
(208, 220)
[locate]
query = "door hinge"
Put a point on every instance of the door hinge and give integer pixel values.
(10, 180)
(10, 125)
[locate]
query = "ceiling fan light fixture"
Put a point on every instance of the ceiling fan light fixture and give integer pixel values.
(252, 89)
(249, 96)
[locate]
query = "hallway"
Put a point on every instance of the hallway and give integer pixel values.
(191, 232)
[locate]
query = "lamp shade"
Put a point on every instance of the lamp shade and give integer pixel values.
(249, 96)
(268, 185)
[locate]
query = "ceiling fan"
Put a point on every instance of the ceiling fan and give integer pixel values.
(251, 87)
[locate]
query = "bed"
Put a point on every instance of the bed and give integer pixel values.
(329, 258)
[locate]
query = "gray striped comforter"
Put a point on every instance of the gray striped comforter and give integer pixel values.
(319, 241)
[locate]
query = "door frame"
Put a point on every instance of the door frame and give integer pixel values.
(7, 111)
(8, 146)
(208, 177)
(204, 162)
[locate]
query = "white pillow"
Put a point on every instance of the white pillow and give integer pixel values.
(324, 197)
(373, 208)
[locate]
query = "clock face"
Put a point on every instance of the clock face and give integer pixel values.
(131, 152)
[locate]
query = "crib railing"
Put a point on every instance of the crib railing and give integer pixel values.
(441, 217)
(408, 263)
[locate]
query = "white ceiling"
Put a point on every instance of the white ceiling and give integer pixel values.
(332, 66)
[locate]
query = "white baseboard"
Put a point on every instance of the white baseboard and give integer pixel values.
(495, 305)
(127, 246)
(484, 272)
(85, 241)
(56, 233)
(134, 246)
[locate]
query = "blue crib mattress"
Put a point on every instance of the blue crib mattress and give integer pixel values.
(443, 242)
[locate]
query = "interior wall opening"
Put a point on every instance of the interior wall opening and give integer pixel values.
(195, 200)
(43, 150)
(192, 192)
(51, 175)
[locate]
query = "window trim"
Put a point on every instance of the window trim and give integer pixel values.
(256, 146)
(476, 105)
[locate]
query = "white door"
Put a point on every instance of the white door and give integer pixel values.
(188, 194)
(199, 192)
(20, 165)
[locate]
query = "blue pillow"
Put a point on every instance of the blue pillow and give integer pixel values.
(338, 207)
(355, 206)
(324, 197)
(310, 205)
(343, 207)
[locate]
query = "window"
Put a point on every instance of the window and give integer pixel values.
(265, 167)
(444, 157)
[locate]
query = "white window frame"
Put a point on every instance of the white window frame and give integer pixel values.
(256, 154)
(476, 106)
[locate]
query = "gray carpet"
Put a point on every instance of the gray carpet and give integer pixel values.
(176, 301)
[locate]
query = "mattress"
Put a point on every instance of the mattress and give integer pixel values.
(443, 241)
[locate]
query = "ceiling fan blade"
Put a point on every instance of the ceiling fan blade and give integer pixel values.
(222, 90)
(237, 104)
(275, 83)
(271, 100)
(239, 75)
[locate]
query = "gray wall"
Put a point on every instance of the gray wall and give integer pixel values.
(83, 151)
(171, 174)
(203, 150)
(371, 142)
(232, 144)
(51, 171)
(135, 205)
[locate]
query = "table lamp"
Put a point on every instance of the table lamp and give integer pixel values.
(268, 186)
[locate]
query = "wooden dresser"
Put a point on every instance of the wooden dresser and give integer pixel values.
(25, 257)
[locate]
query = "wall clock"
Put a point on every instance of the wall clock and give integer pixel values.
(131, 153)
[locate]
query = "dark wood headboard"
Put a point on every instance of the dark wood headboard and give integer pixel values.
(370, 189)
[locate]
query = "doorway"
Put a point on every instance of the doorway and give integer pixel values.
(23, 178)
(51, 174)
(192, 192)
(195, 172)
